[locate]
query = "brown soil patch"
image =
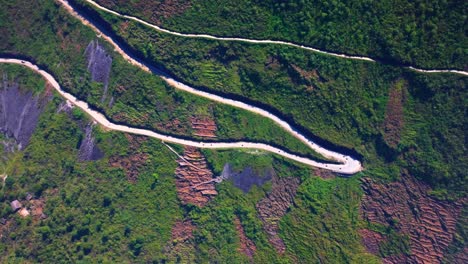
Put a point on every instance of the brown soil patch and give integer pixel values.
(272, 63)
(182, 231)
(152, 10)
(194, 179)
(461, 257)
(181, 247)
(371, 240)
(324, 174)
(247, 246)
(308, 75)
(393, 123)
(134, 162)
(204, 127)
(37, 208)
(407, 206)
(274, 206)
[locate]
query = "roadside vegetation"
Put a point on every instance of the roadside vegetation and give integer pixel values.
(342, 101)
(393, 118)
(427, 34)
(134, 97)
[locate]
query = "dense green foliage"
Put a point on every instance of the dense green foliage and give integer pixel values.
(342, 101)
(138, 98)
(323, 222)
(423, 33)
(96, 215)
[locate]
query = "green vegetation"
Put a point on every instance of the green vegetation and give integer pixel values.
(428, 34)
(342, 101)
(136, 98)
(322, 225)
(94, 214)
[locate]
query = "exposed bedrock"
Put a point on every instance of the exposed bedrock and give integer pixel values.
(19, 112)
(88, 149)
(248, 177)
(99, 64)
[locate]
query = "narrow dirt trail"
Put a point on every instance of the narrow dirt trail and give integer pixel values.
(348, 164)
(262, 41)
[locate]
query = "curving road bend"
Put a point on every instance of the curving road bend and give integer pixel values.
(256, 41)
(348, 166)
(178, 85)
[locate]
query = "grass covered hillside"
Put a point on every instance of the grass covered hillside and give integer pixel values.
(389, 115)
(123, 92)
(428, 34)
(72, 191)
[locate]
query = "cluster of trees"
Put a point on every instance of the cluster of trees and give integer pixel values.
(342, 101)
(423, 33)
(136, 98)
(95, 213)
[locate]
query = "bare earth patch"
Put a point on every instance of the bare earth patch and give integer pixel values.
(406, 204)
(204, 127)
(180, 248)
(393, 123)
(194, 180)
(247, 246)
(274, 206)
(371, 240)
(132, 163)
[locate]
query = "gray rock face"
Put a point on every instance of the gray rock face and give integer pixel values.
(88, 149)
(246, 178)
(99, 64)
(19, 112)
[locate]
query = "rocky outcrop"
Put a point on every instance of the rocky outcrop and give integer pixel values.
(204, 127)
(194, 181)
(99, 64)
(247, 246)
(407, 206)
(19, 112)
(248, 177)
(88, 149)
(274, 206)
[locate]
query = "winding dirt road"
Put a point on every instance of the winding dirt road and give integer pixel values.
(348, 166)
(256, 41)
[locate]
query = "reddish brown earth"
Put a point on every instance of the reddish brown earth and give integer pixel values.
(182, 231)
(204, 127)
(393, 123)
(308, 75)
(247, 247)
(194, 179)
(461, 257)
(181, 246)
(132, 163)
(152, 10)
(274, 206)
(324, 174)
(371, 240)
(36, 207)
(428, 222)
